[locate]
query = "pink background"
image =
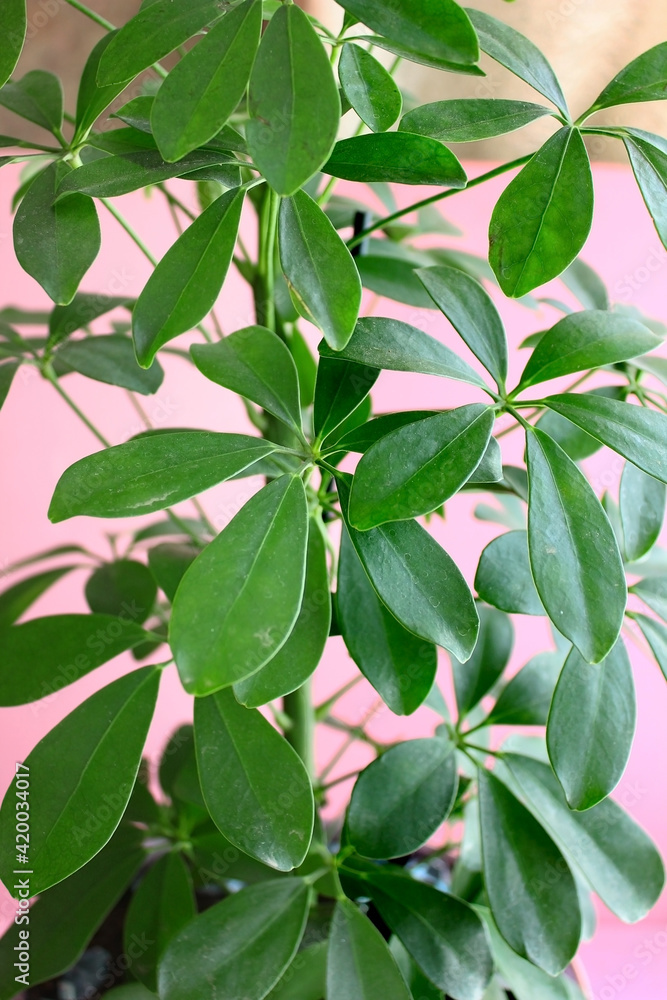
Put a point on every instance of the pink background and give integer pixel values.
(41, 437)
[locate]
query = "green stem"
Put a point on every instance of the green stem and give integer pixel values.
(339, 780)
(134, 236)
(489, 175)
(322, 710)
(298, 707)
(87, 12)
(51, 376)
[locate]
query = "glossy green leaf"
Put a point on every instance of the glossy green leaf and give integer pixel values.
(56, 243)
(423, 58)
(526, 981)
(586, 340)
(653, 592)
(168, 563)
(239, 948)
(437, 28)
(442, 933)
(267, 812)
(319, 269)
(152, 472)
(473, 315)
(427, 592)
(14, 21)
(359, 963)
(538, 916)
(37, 97)
(340, 388)
(418, 984)
(474, 679)
(574, 557)
(655, 634)
(526, 699)
(82, 773)
(361, 438)
(124, 587)
(81, 311)
(636, 432)
(642, 508)
(416, 468)
(7, 373)
(206, 86)
(59, 650)
(18, 598)
(392, 277)
(305, 978)
(87, 897)
(293, 102)
(397, 346)
(400, 666)
(226, 622)
(400, 800)
(396, 158)
(504, 578)
(519, 55)
(586, 284)
(466, 120)
(649, 164)
(154, 32)
(92, 99)
(643, 79)
(591, 726)
(111, 359)
(577, 444)
(614, 854)
(254, 363)
(184, 286)
(543, 217)
(369, 88)
(296, 661)
(161, 906)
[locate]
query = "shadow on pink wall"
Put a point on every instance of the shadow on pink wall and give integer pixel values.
(41, 437)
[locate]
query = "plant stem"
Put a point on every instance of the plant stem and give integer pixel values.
(339, 780)
(134, 236)
(298, 707)
(49, 374)
(322, 710)
(87, 12)
(489, 175)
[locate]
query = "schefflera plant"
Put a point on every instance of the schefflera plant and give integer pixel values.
(250, 114)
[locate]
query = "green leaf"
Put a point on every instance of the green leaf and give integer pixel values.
(504, 578)
(524, 979)
(130, 169)
(184, 286)
(427, 592)
(7, 373)
(586, 285)
(58, 650)
(124, 587)
(442, 933)
(537, 915)
(340, 388)
(643, 79)
(423, 58)
(400, 666)
(401, 799)
(614, 854)
(391, 276)
(206, 86)
(96, 748)
(267, 812)
(17, 599)
(254, 363)
(642, 508)
(655, 634)
(577, 444)
(396, 346)
(56, 243)
(158, 29)
(591, 726)
(397, 158)
(92, 99)
(293, 102)
(418, 984)
(305, 978)
(653, 592)
(519, 55)
(168, 563)
(226, 622)
(296, 661)
(636, 432)
(474, 679)
(473, 315)
(438, 28)
(359, 963)
(586, 340)
(416, 468)
(152, 472)
(526, 699)
(81, 311)
(574, 557)
(649, 165)
(110, 359)
(543, 217)
(162, 905)
(87, 897)
(319, 269)
(466, 120)
(14, 21)
(361, 438)
(37, 97)
(256, 933)
(369, 88)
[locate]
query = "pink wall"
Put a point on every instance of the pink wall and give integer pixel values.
(41, 437)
